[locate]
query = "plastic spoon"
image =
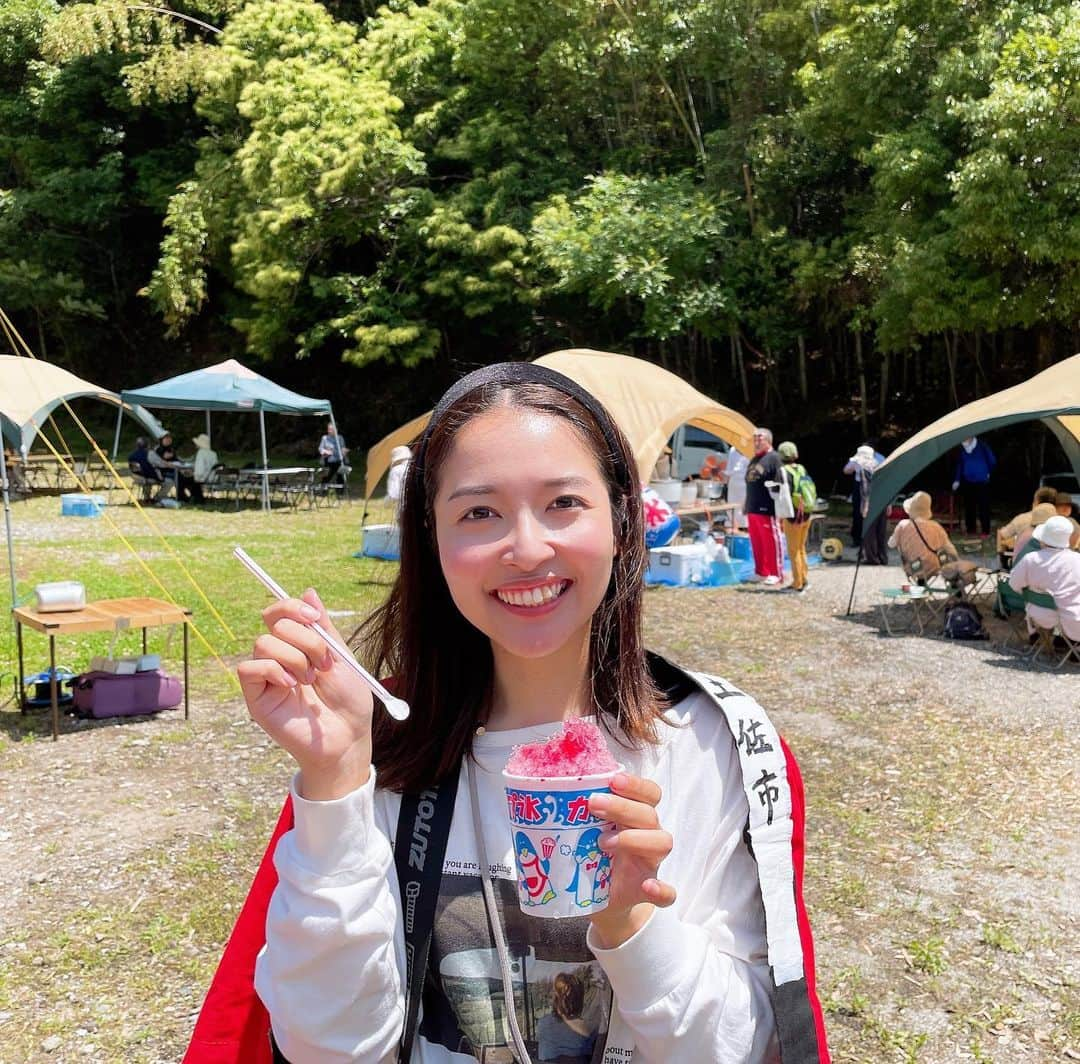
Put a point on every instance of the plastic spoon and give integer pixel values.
(396, 707)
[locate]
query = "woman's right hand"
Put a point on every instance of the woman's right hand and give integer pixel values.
(313, 706)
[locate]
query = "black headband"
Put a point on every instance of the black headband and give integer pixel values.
(529, 373)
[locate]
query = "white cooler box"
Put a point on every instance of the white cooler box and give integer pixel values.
(684, 564)
(381, 541)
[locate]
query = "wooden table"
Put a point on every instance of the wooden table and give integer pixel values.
(108, 615)
(712, 509)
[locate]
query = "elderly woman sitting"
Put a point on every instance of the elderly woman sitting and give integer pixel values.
(924, 545)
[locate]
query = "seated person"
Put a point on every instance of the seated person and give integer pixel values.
(1024, 541)
(661, 521)
(165, 459)
(1063, 504)
(924, 546)
(140, 464)
(1010, 601)
(1054, 570)
(1022, 522)
(205, 460)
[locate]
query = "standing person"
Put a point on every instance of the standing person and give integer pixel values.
(797, 528)
(395, 479)
(972, 479)
(764, 468)
(517, 607)
(872, 538)
(857, 508)
(332, 451)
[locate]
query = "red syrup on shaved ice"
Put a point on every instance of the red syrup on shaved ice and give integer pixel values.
(578, 750)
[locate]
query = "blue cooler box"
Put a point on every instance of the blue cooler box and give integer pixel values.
(81, 505)
(739, 547)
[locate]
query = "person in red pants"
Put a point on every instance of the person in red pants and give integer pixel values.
(765, 541)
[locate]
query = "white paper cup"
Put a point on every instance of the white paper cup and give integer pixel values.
(561, 869)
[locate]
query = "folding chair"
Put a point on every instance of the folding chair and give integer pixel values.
(1051, 641)
(1009, 607)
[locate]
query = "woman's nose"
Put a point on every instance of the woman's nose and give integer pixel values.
(527, 544)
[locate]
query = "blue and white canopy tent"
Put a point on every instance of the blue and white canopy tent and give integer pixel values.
(228, 386)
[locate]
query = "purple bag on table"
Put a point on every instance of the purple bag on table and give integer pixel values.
(108, 694)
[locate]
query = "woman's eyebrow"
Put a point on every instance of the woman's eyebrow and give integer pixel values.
(571, 481)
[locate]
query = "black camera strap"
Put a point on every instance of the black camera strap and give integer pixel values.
(423, 829)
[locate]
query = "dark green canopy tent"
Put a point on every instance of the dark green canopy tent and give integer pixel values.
(1052, 397)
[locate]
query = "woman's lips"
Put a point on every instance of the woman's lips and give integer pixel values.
(532, 598)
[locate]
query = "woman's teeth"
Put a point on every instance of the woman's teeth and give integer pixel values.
(534, 596)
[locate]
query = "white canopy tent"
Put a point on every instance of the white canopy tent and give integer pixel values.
(30, 390)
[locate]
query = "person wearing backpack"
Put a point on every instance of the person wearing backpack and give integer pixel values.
(797, 528)
(517, 606)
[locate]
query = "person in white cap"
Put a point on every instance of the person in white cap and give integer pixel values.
(395, 481)
(1055, 570)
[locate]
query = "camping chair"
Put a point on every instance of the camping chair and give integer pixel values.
(1051, 641)
(215, 486)
(1009, 607)
(147, 485)
(944, 507)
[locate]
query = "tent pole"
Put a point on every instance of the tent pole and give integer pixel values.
(116, 438)
(854, 579)
(265, 463)
(208, 436)
(7, 525)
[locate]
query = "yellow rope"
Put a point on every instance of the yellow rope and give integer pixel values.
(119, 480)
(15, 339)
(131, 547)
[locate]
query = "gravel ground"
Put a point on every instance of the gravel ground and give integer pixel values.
(942, 848)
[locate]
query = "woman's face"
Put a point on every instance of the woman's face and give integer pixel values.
(524, 530)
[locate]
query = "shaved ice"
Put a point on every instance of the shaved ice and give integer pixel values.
(578, 750)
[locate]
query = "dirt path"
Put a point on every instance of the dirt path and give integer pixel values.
(942, 852)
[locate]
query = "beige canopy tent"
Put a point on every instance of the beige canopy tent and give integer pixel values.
(30, 390)
(1052, 397)
(647, 402)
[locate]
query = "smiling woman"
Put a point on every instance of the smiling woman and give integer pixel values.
(517, 607)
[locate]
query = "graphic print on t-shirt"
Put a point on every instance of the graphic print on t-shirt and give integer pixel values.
(562, 998)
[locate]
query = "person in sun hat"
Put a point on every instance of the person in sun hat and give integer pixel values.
(205, 460)
(924, 545)
(395, 480)
(1055, 570)
(869, 539)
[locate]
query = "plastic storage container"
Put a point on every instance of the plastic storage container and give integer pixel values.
(685, 564)
(739, 547)
(81, 505)
(381, 541)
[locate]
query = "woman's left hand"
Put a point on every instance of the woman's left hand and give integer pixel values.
(637, 844)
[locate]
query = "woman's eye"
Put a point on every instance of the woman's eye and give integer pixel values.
(477, 513)
(567, 502)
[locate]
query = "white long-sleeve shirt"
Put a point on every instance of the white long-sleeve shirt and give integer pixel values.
(691, 985)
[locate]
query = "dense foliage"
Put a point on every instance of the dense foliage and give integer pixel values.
(866, 208)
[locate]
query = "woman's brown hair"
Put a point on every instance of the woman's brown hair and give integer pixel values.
(441, 665)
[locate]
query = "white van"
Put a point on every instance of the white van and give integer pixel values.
(690, 447)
